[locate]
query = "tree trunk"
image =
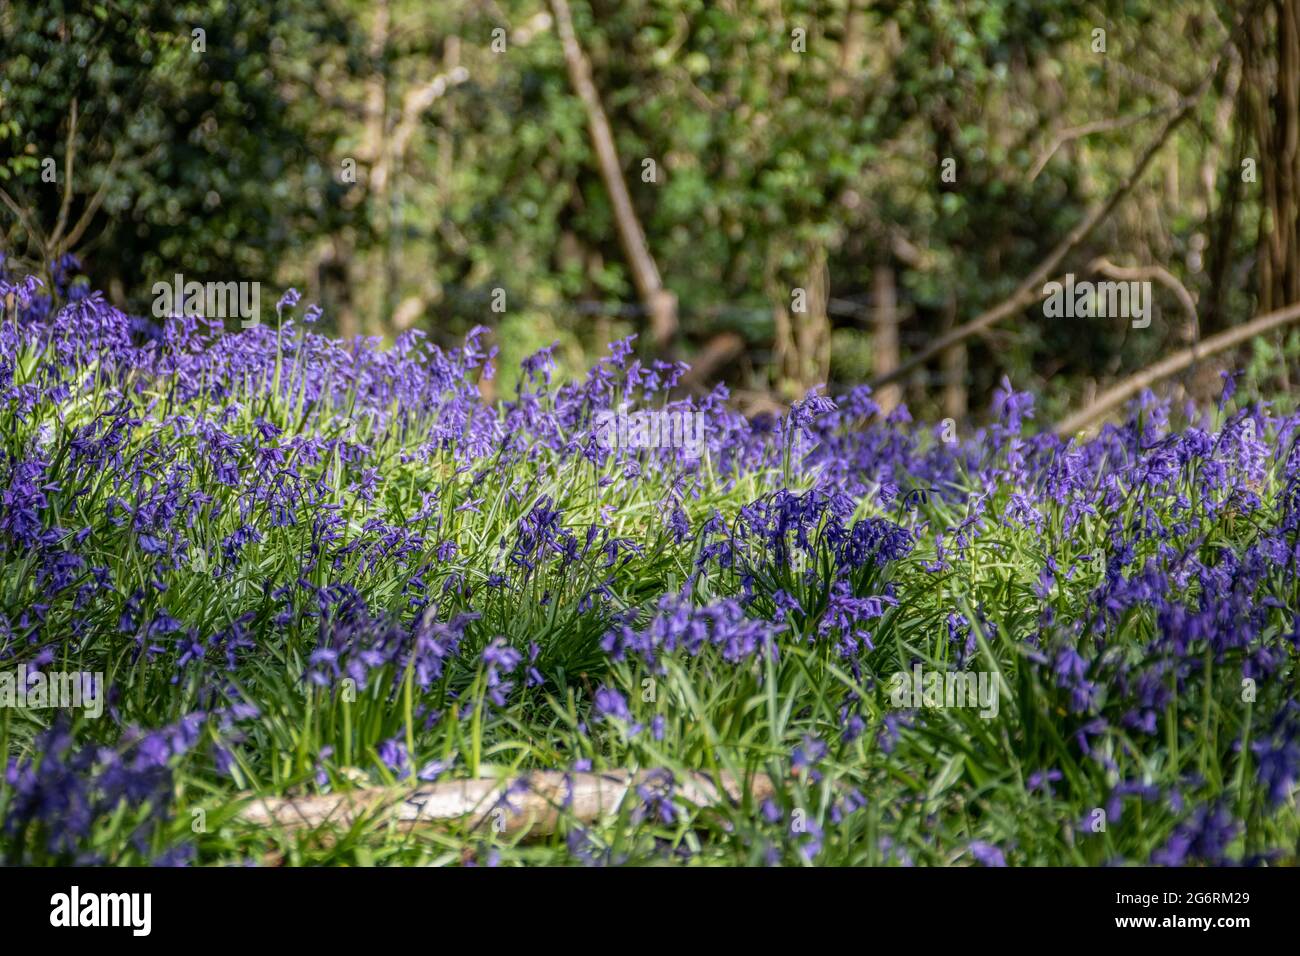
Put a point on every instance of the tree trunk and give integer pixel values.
(1271, 93)
(884, 337)
(953, 366)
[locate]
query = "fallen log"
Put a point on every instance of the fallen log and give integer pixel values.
(533, 803)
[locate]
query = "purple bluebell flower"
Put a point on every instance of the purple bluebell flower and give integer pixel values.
(611, 704)
(986, 854)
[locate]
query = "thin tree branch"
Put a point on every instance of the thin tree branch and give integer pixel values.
(414, 103)
(70, 155)
(28, 223)
(1122, 392)
(70, 241)
(1166, 278)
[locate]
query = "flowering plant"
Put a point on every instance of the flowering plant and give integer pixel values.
(311, 564)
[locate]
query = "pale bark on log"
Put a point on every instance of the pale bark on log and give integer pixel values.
(550, 798)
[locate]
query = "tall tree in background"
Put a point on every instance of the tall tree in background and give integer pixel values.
(660, 303)
(1271, 109)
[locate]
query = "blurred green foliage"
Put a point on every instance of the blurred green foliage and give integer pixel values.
(210, 161)
(782, 132)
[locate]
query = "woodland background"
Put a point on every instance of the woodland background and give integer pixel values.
(796, 145)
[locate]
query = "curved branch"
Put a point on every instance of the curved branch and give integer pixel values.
(24, 219)
(69, 242)
(1105, 267)
(1089, 129)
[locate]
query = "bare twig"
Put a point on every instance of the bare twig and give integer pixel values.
(70, 241)
(416, 101)
(27, 221)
